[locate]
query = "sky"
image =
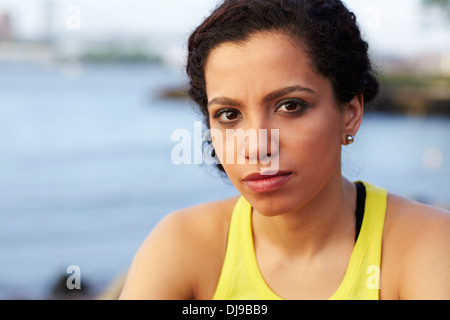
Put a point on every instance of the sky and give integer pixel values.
(400, 27)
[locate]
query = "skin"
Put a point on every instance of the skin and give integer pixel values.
(309, 221)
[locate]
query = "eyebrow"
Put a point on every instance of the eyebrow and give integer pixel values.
(224, 101)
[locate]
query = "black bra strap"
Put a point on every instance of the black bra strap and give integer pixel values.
(360, 206)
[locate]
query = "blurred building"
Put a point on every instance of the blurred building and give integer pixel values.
(13, 50)
(6, 32)
(430, 64)
(445, 64)
(433, 64)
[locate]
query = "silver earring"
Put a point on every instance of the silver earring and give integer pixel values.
(349, 139)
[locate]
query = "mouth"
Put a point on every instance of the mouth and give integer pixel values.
(260, 183)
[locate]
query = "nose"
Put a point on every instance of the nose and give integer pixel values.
(261, 145)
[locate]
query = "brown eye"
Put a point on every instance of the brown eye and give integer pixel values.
(292, 106)
(227, 115)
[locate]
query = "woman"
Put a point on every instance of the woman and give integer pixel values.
(298, 71)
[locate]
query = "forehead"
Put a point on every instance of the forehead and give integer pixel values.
(265, 62)
(258, 48)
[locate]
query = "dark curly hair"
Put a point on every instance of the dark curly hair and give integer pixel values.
(326, 29)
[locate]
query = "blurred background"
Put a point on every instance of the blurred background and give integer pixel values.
(91, 92)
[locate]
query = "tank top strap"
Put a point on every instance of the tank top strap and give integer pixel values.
(362, 278)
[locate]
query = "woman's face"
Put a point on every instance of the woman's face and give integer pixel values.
(267, 85)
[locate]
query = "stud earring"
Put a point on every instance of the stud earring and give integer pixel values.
(349, 139)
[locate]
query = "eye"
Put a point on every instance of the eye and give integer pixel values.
(292, 106)
(227, 115)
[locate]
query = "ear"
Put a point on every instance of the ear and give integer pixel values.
(353, 114)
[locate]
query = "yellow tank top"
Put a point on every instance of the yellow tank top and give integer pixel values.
(241, 278)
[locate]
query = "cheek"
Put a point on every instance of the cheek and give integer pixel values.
(315, 142)
(227, 159)
(229, 146)
(217, 141)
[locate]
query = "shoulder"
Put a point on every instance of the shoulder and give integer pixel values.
(202, 226)
(416, 247)
(208, 216)
(416, 222)
(178, 251)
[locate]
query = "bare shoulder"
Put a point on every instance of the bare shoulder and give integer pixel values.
(204, 226)
(202, 219)
(413, 218)
(178, 251)
(416, 249)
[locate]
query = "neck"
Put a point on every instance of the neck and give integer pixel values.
(326, 218)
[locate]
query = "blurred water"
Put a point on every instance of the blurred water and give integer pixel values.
(409, 156)
(86, 172)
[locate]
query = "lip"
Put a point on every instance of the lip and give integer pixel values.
(260, 183)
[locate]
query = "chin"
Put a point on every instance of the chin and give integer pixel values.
(274, 203)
